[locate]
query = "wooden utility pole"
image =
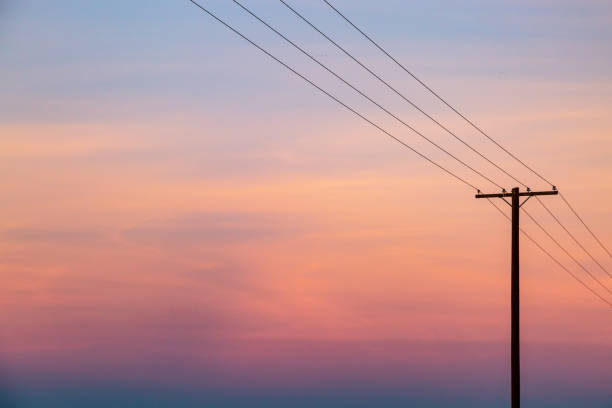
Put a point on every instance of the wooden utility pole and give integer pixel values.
(515, 353)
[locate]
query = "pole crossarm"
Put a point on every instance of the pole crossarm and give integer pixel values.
(521, 194)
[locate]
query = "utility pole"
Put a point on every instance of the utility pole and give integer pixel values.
(515, 354)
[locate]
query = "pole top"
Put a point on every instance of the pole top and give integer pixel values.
(529, 193)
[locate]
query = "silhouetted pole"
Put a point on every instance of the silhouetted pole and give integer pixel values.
(515, 314)
(515, 349)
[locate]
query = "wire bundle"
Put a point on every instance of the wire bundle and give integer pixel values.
(397, 118)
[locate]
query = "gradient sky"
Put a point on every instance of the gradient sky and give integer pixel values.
(187, 224)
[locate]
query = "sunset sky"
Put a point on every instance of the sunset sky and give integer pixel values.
(185, 223)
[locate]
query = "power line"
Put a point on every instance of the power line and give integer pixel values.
(401, 95)
(328, 94)
(332, 96)
(566, 251)
(436, 94)
(552, 257)
(585, 226)
(572, 236)
(363, 94)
